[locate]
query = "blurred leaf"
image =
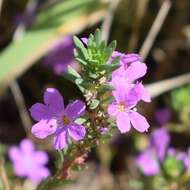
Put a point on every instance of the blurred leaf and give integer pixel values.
(180, 98)
(1, 186)
(136, 184)
(40, 39)
(51, 184)
(173, 167)
(60, 12)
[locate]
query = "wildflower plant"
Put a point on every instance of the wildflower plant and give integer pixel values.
(161, 164)
(29, 162)
(108, 82)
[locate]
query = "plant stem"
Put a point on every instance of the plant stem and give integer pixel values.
(3, 175)
(158, 23)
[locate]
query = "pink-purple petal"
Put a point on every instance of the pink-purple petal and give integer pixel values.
(121, 89)
(135, 70)
(44, 128)
(113, 109)
(40, 111)
(84, 40)
(75, 109)
(61, 140)
(123, 123)
(145, 95)
(131, 57)
(14, 153)
(26, 146)
(19, 169)
(54, 100)
(41, 157)
(148, 163)
(77, 132)
(138, 121)
(37, 177)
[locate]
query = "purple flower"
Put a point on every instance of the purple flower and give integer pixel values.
(125, 59)
(85, 40)
(163, 116)
(160, 140)
(53, 118)
(104, 131)
(148, 163)
(28, 162)
(172, 152)
(61, 56)
(126, 98)
(132, 72)
(187, 160)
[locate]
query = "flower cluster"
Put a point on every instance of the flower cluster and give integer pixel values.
(159, 150)
(128, 92)
(154, 152)
(98, 62)
(29, 162)
(104, 71)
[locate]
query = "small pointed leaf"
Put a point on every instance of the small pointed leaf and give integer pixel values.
(94, 104)
(73, 72)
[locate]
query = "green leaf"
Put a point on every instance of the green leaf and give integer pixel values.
(73, 72)
(97, 36)
(173, 167)
(81, 61)
(80, 120)
(110, 49)
(90, 40)
(94, 104)
(93, 75)
(69, 77)
(79, 81)
(102, 46)
(110, 67)
(82, 52)
(105, 87)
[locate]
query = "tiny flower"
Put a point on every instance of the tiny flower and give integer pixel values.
(160, 140)
(81, 159)
(187, 160)
(61, 56)
(28, 162)
(126, 98)
(162, 116)
(172, 152)
(104, 130)
(148, 163)
(54, 119)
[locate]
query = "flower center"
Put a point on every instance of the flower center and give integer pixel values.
(65, 120)
(122, 106)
